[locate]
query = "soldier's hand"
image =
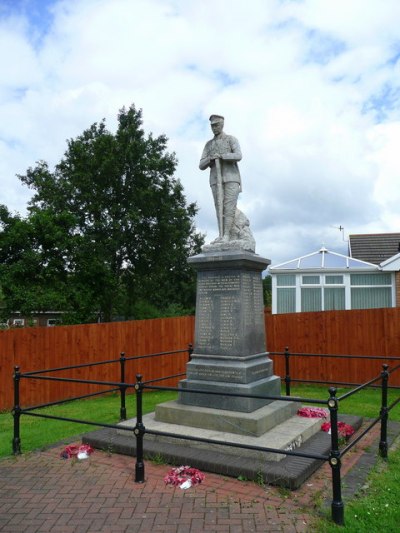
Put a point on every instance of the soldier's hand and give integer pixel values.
(215, 156)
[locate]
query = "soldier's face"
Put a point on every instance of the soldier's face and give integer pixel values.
(217, 127)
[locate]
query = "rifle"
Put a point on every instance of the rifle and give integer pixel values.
(220, 198)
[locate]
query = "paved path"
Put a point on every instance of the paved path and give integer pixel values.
(40, 492)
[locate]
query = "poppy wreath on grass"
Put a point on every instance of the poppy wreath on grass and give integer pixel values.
(183, 474)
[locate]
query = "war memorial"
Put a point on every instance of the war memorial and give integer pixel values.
(229, 417)
(229, 408)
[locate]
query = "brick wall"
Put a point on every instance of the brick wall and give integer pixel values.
(397, 285)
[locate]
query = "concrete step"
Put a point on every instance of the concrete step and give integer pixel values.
(290, 472)
(288, 435)
(255, 423)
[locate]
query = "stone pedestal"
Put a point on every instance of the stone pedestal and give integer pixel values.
(207, 430)
(230, 347)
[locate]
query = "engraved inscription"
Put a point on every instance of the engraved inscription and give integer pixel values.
(217, 313)
(215, 374)
(212, 373)
(229, 309)
(229, 312)
(205, 317)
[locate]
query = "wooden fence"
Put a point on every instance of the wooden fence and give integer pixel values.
(41, 348)
(364, 332)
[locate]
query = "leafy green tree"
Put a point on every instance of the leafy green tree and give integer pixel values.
(108, 232)
(31, 264)
(267, 290)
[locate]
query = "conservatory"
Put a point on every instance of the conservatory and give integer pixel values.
(326, 281)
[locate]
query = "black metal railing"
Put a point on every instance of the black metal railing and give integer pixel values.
(122, 386)
(139, 430)
(288, 379)
(335, 455)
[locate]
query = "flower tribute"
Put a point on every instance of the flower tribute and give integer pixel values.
(184, 476)
(312, 412)
(345, 430)
(80, 452)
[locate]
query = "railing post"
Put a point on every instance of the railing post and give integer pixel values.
(384, 413)
(122, 388)
(16, 412)
(190, 352)
(287, 371)
(337, 505)
(139, 430)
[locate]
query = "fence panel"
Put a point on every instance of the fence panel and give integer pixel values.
(374, 332)
(41, 348)
(357, 332)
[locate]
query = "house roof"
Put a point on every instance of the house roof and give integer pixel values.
(324, 259)
(374, 248)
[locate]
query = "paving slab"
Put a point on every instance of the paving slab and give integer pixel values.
(40, 492)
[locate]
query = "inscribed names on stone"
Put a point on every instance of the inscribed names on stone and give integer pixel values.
(229, 304)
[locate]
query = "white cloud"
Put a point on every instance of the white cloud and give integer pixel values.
(310, 88)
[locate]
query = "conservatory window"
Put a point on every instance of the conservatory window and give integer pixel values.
(286, 300)
(371, 297)
(286, 280)
(370, 290)
(311, 299)
(310, 280)
(371, 279)
(334, 298)
(333, 280)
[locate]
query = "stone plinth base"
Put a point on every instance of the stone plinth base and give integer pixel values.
(255, 423)
(270, 386)
(229, 369)
(288, 435)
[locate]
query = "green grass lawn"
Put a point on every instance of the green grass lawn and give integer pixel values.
(37, 433)
(376, 507)
(364, 403)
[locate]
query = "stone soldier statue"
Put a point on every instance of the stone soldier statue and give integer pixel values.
(221, 154)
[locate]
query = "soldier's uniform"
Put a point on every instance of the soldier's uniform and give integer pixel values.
(227, 147)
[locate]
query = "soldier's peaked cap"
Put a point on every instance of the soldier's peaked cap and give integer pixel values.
(216, 118)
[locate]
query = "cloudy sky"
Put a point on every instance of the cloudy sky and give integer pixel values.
(311, 88)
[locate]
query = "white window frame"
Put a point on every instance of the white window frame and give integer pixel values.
(392, 285)
(345, 283)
